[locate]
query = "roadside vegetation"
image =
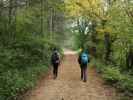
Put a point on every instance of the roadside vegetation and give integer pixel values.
(105, 28)
(28, 33)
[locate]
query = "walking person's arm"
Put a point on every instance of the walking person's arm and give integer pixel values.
(79, 59)
(59, 58)
(89, 58)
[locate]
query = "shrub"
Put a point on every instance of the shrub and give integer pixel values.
(111, 74)
(100, 67)
(22, 61)
(126, 83)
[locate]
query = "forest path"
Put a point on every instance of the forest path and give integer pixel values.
(68, 85)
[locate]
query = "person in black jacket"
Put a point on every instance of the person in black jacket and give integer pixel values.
(55, 60)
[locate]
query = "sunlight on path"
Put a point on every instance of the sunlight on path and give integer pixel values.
(68, 85)
(67, 52)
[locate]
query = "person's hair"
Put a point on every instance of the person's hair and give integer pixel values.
(54, 49)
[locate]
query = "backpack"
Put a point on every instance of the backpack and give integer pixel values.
(84, 58)
(55, 58)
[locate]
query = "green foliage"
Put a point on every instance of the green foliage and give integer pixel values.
(100, 66)
(126, 83)
(113, 76)
(79, 44)
(25, 45)
(111, 35)
(16, 81)
(121, 33)
(21, 63)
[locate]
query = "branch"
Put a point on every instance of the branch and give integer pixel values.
(89, 11)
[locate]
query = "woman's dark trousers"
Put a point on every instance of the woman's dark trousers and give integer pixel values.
(84, 73)
(55, 70)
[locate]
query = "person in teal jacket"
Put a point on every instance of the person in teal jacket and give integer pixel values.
(83, 60)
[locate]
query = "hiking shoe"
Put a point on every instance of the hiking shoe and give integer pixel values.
(84, 80)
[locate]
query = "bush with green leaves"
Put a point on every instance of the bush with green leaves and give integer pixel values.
(126, 83)
(25, 53)
(112, 75)
(21, 63)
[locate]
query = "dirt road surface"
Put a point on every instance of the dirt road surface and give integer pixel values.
(68, 85)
